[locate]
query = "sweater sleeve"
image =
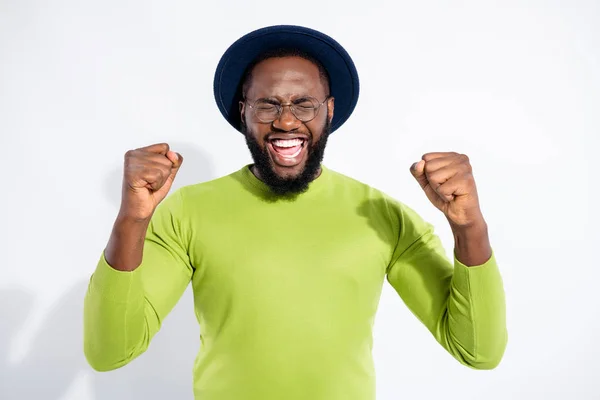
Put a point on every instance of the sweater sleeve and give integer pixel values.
(124, 310)
(463, 307)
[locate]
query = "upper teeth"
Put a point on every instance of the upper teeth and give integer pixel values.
(287, 142)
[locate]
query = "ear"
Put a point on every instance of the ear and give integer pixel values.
(330, 107)
(242, 109)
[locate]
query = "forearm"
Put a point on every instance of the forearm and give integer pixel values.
(125, 247)
(115, 325)
(475, 322)
(472, 244)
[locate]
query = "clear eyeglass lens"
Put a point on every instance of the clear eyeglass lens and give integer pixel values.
(304, 109)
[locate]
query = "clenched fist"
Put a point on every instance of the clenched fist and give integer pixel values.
(447, 179)
(147, 178)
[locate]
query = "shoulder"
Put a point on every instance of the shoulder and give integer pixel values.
(374, 203)
(207, 187)
(347, 185)
(185, 199)
(218, 186)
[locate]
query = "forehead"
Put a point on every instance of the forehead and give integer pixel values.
(285, 77)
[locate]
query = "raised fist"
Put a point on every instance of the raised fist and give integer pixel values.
(147, 178)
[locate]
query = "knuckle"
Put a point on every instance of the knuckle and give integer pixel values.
(467, 165)
(163, 146)
(157, 173)
(147, 174)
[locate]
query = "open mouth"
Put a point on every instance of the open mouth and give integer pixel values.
(288, 148)
(287, 152)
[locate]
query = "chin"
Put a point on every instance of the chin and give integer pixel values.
(286, 172)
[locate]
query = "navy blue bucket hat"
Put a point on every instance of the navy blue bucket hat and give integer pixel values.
(344, 85)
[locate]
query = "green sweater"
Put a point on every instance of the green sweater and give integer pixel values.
(286, 290)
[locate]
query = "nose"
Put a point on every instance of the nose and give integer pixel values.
(287, 121)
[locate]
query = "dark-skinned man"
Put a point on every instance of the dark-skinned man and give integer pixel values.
(287, 257)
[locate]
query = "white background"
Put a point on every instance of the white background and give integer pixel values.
(513, 84)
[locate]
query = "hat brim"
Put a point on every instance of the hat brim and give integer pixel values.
(344, 84)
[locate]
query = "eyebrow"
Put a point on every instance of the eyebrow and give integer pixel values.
(269, 100)
(275, 101)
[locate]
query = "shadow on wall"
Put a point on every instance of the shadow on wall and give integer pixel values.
(55, 359)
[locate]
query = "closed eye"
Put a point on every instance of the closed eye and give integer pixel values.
(268, 101)
(304, 102)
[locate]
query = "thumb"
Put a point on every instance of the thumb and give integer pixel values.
(177, 160)
(418, 172)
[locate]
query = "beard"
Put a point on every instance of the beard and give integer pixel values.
(292, 185)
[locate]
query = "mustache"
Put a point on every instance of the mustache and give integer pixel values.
(309, 136)
(267, 137)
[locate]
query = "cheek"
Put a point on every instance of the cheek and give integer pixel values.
(257, 131)
(316, 127)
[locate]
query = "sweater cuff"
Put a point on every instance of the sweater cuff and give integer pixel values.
(490, 261)
(465, 276)
(113, 284)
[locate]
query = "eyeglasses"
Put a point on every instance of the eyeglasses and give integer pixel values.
(305, 108)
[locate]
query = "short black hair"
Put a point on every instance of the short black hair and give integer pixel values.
(281, 53)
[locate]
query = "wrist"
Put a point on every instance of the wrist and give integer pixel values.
(474, 224)
(472, 244)
(125, 246)
(473, 229)
(130, 218)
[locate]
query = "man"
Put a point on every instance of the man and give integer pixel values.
(286, 257)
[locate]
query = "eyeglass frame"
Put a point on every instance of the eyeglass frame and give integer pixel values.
(280, 107)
